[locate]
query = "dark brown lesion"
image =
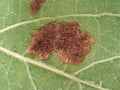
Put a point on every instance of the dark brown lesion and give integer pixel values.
(76, 48)
(36, 5)
(64, 38)
(43, 41)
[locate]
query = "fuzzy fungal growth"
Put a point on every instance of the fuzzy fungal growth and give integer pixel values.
(36, 5)
(64, 38)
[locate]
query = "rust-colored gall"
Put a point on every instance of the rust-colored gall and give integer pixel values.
(36, 5)
(64, 38)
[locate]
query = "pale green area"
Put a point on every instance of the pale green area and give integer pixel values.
(105, 31)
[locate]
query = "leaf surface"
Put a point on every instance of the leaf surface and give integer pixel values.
(101, 66)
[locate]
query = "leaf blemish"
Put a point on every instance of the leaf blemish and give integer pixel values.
(64, 38)
(36, 5)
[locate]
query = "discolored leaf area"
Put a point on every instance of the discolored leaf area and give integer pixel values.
(36, 5)
(100, 68)
(64, 38)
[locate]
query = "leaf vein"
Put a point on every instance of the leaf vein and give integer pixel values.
(47, 67)
(30, 77)
(96, 63)
(57, 17)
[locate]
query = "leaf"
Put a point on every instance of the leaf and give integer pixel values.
(101, 67)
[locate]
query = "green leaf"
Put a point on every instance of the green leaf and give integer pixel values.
(22, 71)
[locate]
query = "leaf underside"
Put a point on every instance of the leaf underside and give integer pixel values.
(100, 18)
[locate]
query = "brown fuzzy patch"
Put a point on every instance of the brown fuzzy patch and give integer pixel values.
(36, 5)
(64, 38)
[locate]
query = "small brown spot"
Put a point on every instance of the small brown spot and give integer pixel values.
(64, 38)
(36, 5)
(3, 63)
